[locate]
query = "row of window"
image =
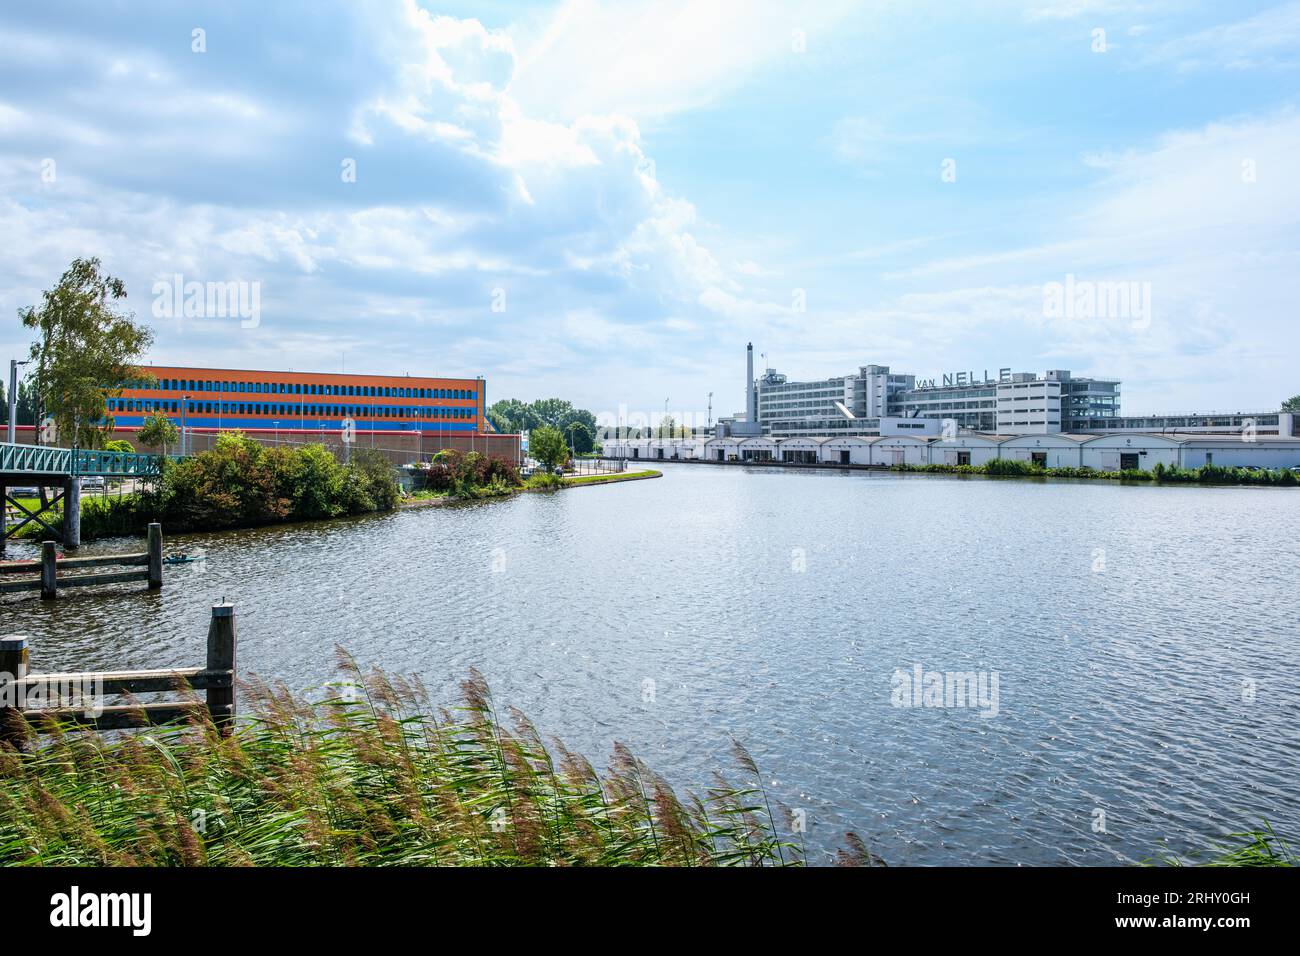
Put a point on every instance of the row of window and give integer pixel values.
(145, 405)
(299, 388)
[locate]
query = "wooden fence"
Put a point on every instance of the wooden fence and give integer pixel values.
(79, 697)
(50, 581)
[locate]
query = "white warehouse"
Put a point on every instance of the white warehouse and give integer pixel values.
(1057, 450)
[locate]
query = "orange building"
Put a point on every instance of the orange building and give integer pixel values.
(304, 402)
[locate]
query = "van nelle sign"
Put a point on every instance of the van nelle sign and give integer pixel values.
(965, 378)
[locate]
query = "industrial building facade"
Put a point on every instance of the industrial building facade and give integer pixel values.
(1011, 403)
(409, 417)
(302, 401)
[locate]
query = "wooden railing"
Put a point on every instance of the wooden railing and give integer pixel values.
(78, 697)
(49, 582)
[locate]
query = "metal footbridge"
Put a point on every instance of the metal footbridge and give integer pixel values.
(27, 463)
(27, 466)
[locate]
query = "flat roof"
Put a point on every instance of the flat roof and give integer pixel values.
(263, 371)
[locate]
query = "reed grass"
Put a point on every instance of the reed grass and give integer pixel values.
(369, 776)
(1260, 847)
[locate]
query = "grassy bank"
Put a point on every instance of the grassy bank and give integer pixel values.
(539, 481)
(372, 775)
(1206, 475)
(608, 479)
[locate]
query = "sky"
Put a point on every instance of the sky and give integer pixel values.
(605, 201)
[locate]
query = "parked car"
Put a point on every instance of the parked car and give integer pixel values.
(24, 492)
(93, 483)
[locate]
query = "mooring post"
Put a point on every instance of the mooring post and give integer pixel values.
(13, 667)
(49, 583)
(155, 555)
(221, 657)
(72, 512)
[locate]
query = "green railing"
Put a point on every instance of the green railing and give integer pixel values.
(35, 459)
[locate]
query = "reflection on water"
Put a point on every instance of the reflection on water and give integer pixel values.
(1123, 624)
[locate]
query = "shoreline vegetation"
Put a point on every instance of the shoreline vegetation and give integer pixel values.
(1160, 474)
(370, 773)
(543, 481)
(1007, 468)
(241, 483)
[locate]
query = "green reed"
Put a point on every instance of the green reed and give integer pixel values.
(371, 774)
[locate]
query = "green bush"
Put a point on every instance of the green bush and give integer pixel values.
(1007, 467)
(545, 479)
(472, 475)
(240, 483)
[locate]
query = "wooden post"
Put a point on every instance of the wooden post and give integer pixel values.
(221, 657)
(72, 512)
(49, 584)
(13, 666)
(155, 556)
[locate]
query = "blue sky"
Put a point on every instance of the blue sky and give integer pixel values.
(606, 201)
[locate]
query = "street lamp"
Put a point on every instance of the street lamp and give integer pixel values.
(13, 397)
(276, 423)
(185, 401)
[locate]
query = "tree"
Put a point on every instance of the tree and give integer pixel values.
(85, 351)
(118, 445)
(158, 431)
(1292, 404)
(580, 438)
(547, 445)
(26, 413)
(512, 415)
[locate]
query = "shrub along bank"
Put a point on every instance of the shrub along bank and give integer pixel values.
(1206, 475)
(241, 484)
(456, 474)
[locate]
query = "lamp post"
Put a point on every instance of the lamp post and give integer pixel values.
(276, 423)
(185, 401)
(13, 398)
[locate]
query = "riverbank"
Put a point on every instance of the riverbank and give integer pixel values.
(418, 501)
(1008, 468)
(610, 479)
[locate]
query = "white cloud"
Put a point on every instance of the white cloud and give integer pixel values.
(656, 57)
(1268, 40)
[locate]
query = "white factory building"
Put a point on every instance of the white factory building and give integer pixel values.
(878, 400)
(1059, 450)
(881, 418)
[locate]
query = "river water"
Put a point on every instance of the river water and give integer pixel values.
(1139, 646)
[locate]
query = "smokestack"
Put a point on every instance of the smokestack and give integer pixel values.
(751, 402)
